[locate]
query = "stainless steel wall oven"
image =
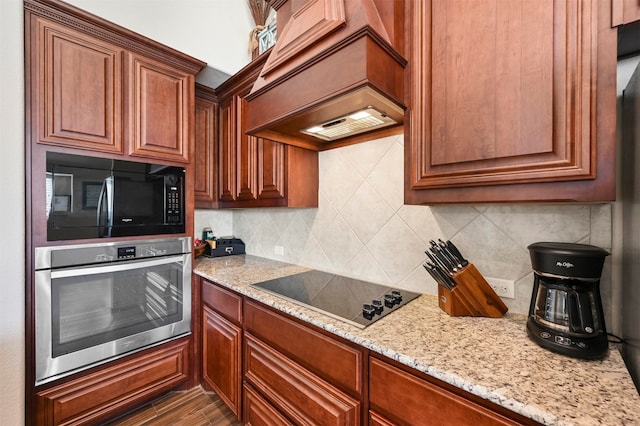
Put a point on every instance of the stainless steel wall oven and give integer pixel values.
(98, 302)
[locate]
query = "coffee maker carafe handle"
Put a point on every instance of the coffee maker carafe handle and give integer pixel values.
(580, 313)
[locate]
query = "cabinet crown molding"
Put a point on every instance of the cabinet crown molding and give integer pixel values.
(80, 20)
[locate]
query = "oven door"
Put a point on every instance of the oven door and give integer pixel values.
(90, 315)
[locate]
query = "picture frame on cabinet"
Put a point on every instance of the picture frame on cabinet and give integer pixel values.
(90, 195)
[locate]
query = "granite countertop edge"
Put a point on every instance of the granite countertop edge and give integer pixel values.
(268, 269)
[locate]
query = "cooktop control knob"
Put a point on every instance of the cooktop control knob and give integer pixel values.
(397, 296)
(377, 306)
(368, 311)
(389, 300)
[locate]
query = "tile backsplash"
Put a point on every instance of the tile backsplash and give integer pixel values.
(363, 230)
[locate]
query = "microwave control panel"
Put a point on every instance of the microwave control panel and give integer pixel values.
(174, 199)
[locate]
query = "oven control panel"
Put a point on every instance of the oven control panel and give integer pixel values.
(126, 252)
(105, 252)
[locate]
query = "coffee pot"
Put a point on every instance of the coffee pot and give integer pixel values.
(565, 315)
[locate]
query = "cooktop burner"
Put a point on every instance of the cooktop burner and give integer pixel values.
(356, 302)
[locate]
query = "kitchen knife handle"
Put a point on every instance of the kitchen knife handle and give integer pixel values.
(452, 247)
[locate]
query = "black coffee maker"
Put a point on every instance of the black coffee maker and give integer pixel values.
(566, 315)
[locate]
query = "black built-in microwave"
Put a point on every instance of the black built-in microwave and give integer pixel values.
(92, 197)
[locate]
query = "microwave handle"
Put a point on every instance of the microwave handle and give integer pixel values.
(104, 213)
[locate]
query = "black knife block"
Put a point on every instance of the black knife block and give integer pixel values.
(472, 296)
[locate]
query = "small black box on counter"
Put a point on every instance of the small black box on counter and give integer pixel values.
(225, 246)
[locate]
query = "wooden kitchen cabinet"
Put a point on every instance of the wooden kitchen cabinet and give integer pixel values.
(295, 391)
(299, 373)
(222, 344)
(205, 156)
(510, 102)
(160, 113)
(258, 411)
(97, 89)
(258, 172)
(399, 397)
(77, 88)
(105, 89)
(319, 353)
(295, 373)
(124, 385)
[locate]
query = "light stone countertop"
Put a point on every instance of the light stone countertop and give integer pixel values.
(491, 358)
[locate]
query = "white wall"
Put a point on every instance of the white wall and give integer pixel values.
(214, 31)
(11, 214)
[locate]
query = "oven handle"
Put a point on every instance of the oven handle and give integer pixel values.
(76, 272)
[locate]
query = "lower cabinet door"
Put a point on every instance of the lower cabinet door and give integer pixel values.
(221, 351)
(299, 394)
(258, 411)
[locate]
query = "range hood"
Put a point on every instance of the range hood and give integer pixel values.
(334, 73)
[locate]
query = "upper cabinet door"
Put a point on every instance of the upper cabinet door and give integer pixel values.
(625, 12)
(205, 153)
(227, 150)
(253, 171)
(271, 169)
(247, 155)
(77, 87)
(160, 103)
(507, 97)
(251, 168)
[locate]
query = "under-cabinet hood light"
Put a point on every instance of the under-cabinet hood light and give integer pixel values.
(332, 58)
(351, 124)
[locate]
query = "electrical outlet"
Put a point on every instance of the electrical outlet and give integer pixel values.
(279, 250)
(503, 288)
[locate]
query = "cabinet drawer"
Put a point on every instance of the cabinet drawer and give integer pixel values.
(407, 399)
(327, 357)
(96, 396)
(377, 420)
(224, 301)
(258, 411)
(298, 393)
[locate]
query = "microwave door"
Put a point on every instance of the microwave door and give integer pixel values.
(104, 212)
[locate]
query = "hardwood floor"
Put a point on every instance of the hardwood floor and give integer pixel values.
(192, 408)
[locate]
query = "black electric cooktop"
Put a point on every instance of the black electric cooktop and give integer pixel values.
(356, 302)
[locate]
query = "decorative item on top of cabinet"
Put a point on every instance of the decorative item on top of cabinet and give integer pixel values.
(257, 172)
(624, 12)
(510, 102)
(205, 155)
(260, 11)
